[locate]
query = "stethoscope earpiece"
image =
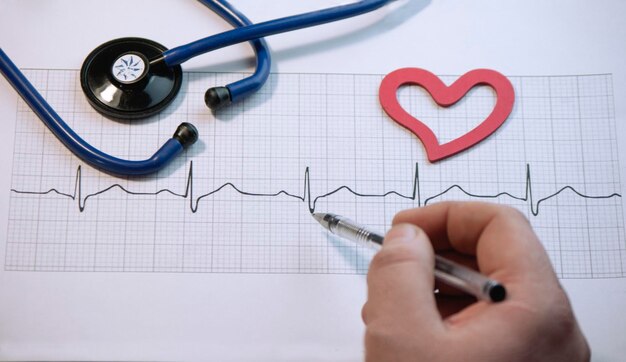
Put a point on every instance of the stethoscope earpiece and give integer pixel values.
(217, 97)
(126, 78)
(186, 134)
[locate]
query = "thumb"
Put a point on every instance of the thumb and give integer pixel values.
(401, 280)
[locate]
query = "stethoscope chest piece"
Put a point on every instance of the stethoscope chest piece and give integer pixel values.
(124, 78)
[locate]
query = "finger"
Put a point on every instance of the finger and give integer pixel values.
(455, 224)
(429, 219)
(400, 280)
(499, 236)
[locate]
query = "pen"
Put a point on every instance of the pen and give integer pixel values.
(446, 271)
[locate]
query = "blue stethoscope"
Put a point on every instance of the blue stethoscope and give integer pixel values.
(133, 78)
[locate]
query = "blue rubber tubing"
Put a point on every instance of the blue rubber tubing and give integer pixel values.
(244, 87)
(75, 143)
(180, 54)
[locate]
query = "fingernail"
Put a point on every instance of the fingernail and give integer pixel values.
(401, 233)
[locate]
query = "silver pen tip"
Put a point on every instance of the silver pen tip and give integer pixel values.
(319, 217)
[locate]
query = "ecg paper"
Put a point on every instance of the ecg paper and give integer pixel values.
(239, 201)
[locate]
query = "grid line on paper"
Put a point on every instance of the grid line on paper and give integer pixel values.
(554, 170)
(614, 152)
(304, 142)
(582, 148)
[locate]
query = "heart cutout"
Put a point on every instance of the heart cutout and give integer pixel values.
(446, 96)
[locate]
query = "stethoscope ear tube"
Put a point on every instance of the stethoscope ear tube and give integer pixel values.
(185, 135)
(181, 54)
(218, 97)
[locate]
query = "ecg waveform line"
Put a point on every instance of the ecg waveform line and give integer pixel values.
(414, 195)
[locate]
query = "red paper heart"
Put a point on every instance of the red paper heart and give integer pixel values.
(446, 96)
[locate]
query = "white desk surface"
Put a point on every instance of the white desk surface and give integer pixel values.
(165, 316)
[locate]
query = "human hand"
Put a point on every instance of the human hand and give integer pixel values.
(406, 321)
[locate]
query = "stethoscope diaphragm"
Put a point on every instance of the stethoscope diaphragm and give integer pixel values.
(122, 80)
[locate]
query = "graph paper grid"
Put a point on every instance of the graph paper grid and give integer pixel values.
(239, 200)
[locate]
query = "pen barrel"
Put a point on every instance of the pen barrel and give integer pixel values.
(348, 229)
(465, 279)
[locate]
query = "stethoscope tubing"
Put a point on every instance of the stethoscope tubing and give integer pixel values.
(249, 85)
(73, 141)
(181, 54)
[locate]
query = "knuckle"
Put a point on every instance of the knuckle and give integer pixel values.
(497, 210)
(401, 217)
(364, 313)
(563, 330)
(377, 335)
(561, 316)
(512, 213)
(388, 341)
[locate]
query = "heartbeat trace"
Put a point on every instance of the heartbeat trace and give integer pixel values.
(415, 194)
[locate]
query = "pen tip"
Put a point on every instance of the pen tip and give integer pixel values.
(318, 216)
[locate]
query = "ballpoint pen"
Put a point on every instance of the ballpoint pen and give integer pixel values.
(446, 271)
